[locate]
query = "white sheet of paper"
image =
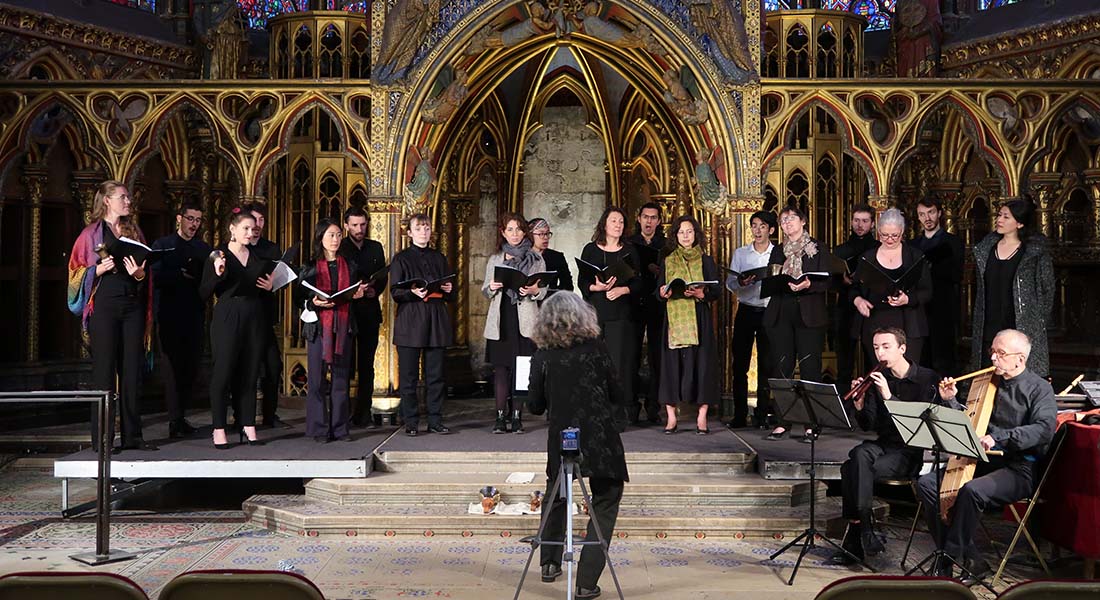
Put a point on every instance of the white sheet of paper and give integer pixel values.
(520, 478)
(523, 373)
(281, 276)
(134, 242)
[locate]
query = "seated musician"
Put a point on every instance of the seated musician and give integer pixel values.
(1022, 426)
(887, 456)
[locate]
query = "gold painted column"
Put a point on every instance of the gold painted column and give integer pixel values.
(34, 182)
(1092, 180)
(84, 186)
(1044, 187)
(948, 192)
(462, 209)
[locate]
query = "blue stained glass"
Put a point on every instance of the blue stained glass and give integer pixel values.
(149, 5)
(986, 4)
(835, 4)
(258, 12)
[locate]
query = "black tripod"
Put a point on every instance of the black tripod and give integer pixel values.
(803, 401)
(563, 487)
(939, 556)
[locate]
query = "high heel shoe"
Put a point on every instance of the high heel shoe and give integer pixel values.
(224, 446)
(245, 440)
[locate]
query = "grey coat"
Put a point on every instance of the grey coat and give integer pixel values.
(528, 307)
(1032, 295)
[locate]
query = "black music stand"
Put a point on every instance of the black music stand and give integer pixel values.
(939, 429)
(814, 405)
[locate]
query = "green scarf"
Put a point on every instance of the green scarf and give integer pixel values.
(686, 264)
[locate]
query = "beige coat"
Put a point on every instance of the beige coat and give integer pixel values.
(528, 307)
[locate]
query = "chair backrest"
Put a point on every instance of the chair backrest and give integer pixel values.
(51, 585)
(235, 584)
(1050, 589)
(888, 587)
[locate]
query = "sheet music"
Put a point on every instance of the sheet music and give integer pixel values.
(281, 276)
(134, 242)
(523, 373)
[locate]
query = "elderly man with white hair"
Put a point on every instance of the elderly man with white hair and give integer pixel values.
(1022, 426)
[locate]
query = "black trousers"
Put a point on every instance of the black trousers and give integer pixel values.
(181, 342)
(236, 339)
(990, 486)
(328, 407)
(868, 462)
(940, 348)
(408, 365)
(366, 345)
(748, 329)
(606, 495)
(116, 331)
(651, 331)
(271, 369)
(622, 342)
(913, 348)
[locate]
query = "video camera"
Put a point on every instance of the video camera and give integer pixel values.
(571, 442)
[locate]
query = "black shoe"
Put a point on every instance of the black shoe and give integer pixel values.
(410, 432)
(776, 435)
(275, 423)
(671, 431)
(701, 431)
(180, 429)
(345, 438)
(321, 439)
(587, 593)
(139, 444)
(873, 543)
(517, 424)
(854, 548)
(440, 429)
(255, 442)
(979, 570)
(735, 424)
(550, 572)
(500, 426)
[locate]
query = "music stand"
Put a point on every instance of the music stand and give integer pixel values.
(939, 429)
(814, 405)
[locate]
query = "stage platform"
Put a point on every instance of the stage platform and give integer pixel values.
(286, 453)
(790, 458)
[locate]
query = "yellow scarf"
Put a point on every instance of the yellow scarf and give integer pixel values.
(686, 264)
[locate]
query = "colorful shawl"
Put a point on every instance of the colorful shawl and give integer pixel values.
(686, 264)
(794, 251)
(83, 283)
(334, 320)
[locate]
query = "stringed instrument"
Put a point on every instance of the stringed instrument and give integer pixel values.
(979, 407)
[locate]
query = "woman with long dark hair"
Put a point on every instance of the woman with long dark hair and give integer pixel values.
(795, 318)
(511, 316)
(236, 329)
(689, 370)
(612, 298)
(114, 301)
(329, 337)
(1015, 277)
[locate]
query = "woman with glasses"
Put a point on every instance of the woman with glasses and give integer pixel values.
(795, 318)
(555, 261)
(1015, 277)
(110, 291)
(903, 310)
(511, 316)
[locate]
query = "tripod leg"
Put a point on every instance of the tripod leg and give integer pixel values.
(789, 545)
(605, 546)
(801, 554)
(841, 549)
(548, 504)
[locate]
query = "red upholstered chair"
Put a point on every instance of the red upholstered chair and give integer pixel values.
(1051, 589)
(51, 585)
(890, 587)
(237, 584)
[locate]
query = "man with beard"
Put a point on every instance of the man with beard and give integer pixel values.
(945, 255)
(180, 313)
(859, 241)
(371, 258)
(649, 241)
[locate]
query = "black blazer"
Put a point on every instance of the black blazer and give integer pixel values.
(555, 261)
(574, 385)
(811, 301)
(947, 274)
(420, 324)
(370, 259)
(916, 321)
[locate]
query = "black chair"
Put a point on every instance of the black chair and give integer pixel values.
(237, 584)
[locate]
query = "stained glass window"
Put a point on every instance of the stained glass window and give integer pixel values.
(259, 11)
(149, 5)
(835, 4)
(984, 4)
(876, 11)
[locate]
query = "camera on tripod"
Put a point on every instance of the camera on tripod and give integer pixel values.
(571, 442)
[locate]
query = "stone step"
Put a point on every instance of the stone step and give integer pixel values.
(300, 515)
(715, 463)
(653, 491)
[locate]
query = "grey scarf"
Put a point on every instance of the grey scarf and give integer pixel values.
(522, 258)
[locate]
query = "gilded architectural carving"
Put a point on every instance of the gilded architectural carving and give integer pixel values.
(1040, 51)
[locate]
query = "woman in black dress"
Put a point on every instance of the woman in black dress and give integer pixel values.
(612, 298)
(795, 318)
(236, 334)
(689, 372)
(329, 337)
(511, 316)
(904, 311)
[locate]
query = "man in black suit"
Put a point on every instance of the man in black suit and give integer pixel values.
(371, 258)
(649, 240)
(861, 239)
(271, 363)
(555, 261)
(945, 255)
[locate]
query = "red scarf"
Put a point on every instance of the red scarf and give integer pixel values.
(336, 318)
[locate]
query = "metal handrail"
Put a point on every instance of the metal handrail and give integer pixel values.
(104, 401)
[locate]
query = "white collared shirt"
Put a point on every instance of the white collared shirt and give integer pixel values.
(744, 259)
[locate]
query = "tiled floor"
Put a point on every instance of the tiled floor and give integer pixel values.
(34, 537)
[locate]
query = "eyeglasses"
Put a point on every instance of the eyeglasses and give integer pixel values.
(125, 197)
(1002, 354)
(789, 219)
(191, 219)
(546, 235)
(889, 236)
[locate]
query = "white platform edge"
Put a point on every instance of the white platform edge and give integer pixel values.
(219, 469)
